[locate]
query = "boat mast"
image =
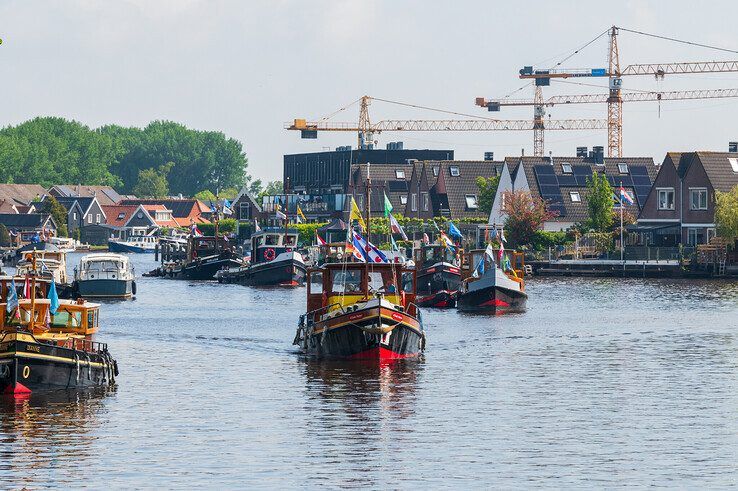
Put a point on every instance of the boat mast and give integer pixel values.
(368, 226)
(33, 290)
(286, 209)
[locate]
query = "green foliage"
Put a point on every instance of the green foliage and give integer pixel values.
(54, 150)
(271, 189)
(205, 195)
(306, 232)
(225, 226)
(76, 234)
(4, 236)
(726, 213)
(542, 239)
(152, 183)
(599, 203)
(52, 207)
(487, 189)
(525, 215)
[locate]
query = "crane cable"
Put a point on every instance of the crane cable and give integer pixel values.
(678, 40)
(454, 113)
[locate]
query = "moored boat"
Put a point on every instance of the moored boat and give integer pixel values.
(492, 288)
(133, 244)
(439, 276)
(105, 275)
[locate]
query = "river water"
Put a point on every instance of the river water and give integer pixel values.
(601, 383)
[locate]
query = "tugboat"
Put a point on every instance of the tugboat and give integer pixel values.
(439, 277)
(274, 261)
(41, 350)
(208, 255)
(492, 288)
(361, 310)
(104, 275)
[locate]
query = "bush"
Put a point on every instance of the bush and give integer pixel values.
(4, 236)
(542, 240)
(225, 226)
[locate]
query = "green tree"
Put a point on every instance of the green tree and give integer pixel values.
(52, 207)
(599, 203)
(205, 195)
(272, 188)
(4, 235)
(152, 183)
(726, 213)
(487, 188)
(525, 215)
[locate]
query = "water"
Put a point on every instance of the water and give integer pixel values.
(602, 383)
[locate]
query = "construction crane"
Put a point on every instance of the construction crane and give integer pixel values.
(366, 130)
(615, 97)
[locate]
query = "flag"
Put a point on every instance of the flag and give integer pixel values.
(47, 319)
(453, 231)
(435, 225)
(507, 266)
(394, 244)
(321, 242)
(502, 251)
(396, 228)
(426, 240)
(387, 206)
(356, 214)
(479, 270)
(195, 231)
(227, 209)
(54, 304)
(624, 196)
(369, 250)
(443, 239)
(490, 252)
(257, 228)
(281, 215)
(300, 214)
(502, 236)
(27, 288)
(350, 249)
(12, 300)
(493, 233)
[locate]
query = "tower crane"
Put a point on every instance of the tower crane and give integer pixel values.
(366, 130)
(615, 97)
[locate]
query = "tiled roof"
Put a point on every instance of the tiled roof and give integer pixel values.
(457, 187)
(105, 195)
(118, 215)
(68, 202)
(28, 220)
(719, 169)
(384, 178)
(181, 208)
(21, 193)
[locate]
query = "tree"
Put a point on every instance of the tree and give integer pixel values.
(205, 195)
(272, 188)
(726, 213)
(487, 189)
(599, 203)
(525, 215)
(152, 183)
(52, 207)
(4, 235)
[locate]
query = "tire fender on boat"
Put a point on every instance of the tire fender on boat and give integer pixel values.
(133, 287)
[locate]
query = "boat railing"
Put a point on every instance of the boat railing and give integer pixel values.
(311, 316)
(87, 345)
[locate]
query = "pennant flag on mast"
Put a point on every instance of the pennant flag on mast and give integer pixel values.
(27, 288)
(387, 206)
(321, 242)
(281, 215)
(356, 214)
(396, 228)
(453, 231)
(300, 214)
(12, 300)
(54, 304)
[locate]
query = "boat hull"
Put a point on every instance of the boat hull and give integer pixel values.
(440, 300)
(115, 246)
(205, 270)
(29, 366)
(105, 288)
(376, 333)
(438, 286)
(276, 273)
(493, 300)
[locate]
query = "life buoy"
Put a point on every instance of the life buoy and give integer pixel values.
(269, 254)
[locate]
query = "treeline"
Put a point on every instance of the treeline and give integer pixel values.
(51, 150)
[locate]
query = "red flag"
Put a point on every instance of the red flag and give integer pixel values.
(320, 241)
(27, 289)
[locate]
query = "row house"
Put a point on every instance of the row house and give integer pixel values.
(680, 208)
(23, 227)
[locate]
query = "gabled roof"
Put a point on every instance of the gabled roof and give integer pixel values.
(28, 220)
(118, 215)
(21, 193)
(152, 209)
(181, 208)
(384, 179)
(457, 187)
(68, 203)
(719, 169)
(245, 193)
(105, 195)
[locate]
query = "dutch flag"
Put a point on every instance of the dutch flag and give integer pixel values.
(625, 197)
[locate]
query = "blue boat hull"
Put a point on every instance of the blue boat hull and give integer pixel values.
(121, 247)
(105, 288)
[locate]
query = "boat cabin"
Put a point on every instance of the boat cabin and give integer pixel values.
(471, 260)
(429, 254)
(104, 266)
(72, 317)
(267, 245)
(338, 285)
(50, 264)
(202, 247)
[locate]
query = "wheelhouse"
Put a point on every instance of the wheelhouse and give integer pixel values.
(430, 254)
(267, 245)
(200, 247)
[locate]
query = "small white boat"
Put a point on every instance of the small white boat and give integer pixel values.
(65, 244)
(104, 274)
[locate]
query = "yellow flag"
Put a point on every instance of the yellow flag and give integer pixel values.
(356, 214)
(301, 214)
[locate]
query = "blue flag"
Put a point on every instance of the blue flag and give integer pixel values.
(12, 298)
(54, 304)
(453, 231)
(479, 271)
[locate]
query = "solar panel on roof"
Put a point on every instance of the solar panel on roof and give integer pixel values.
(543, 170)
(582, 180)
(548, 190)
(547, 180)
(641, 181)
(638, 170)
(567, 180)
(580, 170)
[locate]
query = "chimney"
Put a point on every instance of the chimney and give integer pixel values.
(489, 156)
(522, 152)
(582, 152)
(733, 147)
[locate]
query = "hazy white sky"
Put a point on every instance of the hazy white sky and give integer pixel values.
(246, 68)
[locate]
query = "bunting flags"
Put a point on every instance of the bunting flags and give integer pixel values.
(369, 250)
(281, 215)
(443, 239)
(387, 206)
(356, 214)
(396, 228)
(479, 270)
(453, 231)
(502, 236)
(502, 250)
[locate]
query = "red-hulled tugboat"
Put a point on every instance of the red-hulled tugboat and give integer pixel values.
(491, 287)
(439, 277)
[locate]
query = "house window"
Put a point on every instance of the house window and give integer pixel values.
(436, 170)
(566, 168)
(424, 196)
(403, 199)
(74, 216)
(666, 199)
(733, 164)
(139, 215)
(695, 236)
(710, 234)
(243, 210)
(471, 202)
(399, 174)
(697, 198)
(89, 218)
(414, 202)
(121, 215)
(575, 197)
(623, 168)
(454, 169)
(97, 218)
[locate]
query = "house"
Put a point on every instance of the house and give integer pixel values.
(562, 182)
(82, 212)
(447, 188)
(680, 208)
(20, 195)
(184, 212)
(26, 226)
(388, 180)
(127, 220)
(105, 195)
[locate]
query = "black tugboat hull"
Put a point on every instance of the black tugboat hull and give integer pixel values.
(206, 269)
(492, 300)
(437, 286)
(439, 300)
(343, 337)
(276, 273)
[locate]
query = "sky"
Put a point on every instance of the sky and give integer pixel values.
(246, 68)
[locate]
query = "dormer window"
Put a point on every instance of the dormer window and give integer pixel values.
(733, 164)
(436, 170)
(575, 197)
(471, 202)
(454, 170)
(566, 168)
(623, 168)
(399, 174)
(121, 215)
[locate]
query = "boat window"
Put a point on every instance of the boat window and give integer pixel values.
(348, 281)
(90, 318)
(289, 240)
(67, 319)
(271, 240)
(316, 282)
(407, 282)
(433, 254)
(450, 256)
